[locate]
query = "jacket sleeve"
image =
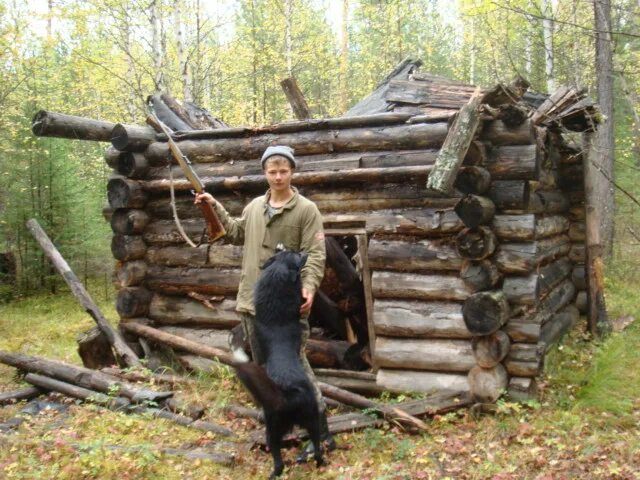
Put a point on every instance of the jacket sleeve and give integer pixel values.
(313, 244)
(233, 226)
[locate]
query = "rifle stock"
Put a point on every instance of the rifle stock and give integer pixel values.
(215, 229)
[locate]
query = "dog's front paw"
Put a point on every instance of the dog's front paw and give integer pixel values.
(320, 461)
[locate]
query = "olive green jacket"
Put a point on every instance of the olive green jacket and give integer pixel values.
(298, 226)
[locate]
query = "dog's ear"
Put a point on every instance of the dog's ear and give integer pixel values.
(268, 262)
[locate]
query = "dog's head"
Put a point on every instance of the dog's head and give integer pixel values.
(287, 260)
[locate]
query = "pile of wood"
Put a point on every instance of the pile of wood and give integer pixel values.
(460, 287)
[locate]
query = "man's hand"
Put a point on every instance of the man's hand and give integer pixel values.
(204, 197)
(308, 301)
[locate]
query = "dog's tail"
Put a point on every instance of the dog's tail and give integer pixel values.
(254, 377)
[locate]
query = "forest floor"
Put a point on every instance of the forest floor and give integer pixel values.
(585, 425)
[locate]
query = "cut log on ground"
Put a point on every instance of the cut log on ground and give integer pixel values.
(485, 312)
(122, 351)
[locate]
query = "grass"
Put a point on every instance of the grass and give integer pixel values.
(586, 424)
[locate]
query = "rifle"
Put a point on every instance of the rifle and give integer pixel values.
(214, 226)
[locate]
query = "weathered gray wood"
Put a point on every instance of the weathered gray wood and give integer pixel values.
(527, 352)
(582, 302)
(129, 221)
(125, 193)
(548, 201)
(514, 162)
(411, 136)
(578, 277)
(518, 368)
(473, 179)
(499, 134)
(21, 394)
(563, 321)
(475, 210)
(184, 280)
(478, 276)
(524, 257)
(476, 243)
(455, 146)
(52, 124)
(94, 349)
(419, 222)
(490, 350)
(416, 319)
(510, 194)
(217, 255)
(421, 381)
(132, 138)
(207, 336)
(132, 165)
(129, 274)
(123, 353)
(577, 232)
(577, 253)
(526, 290)
(348, 380)
(165, 310)
(412, 255)
(128, 247)
(296, 98)
(522, 389)
(523, 329)
(528, 226)
(418, 286)
(485, 312)
(133, 302)
(440, 355)
(487, 384)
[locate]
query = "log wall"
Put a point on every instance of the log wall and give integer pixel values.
(468, 290)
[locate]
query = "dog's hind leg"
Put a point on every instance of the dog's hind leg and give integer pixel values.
(314, 435)
(274, 442)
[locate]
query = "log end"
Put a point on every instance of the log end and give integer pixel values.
(39, 123)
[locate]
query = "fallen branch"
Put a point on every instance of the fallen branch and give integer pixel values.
(17, 395)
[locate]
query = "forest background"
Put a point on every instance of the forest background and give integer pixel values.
(100, 59)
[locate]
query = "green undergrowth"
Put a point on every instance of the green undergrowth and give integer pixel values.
(585, 424)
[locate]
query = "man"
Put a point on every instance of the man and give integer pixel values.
(281, 216)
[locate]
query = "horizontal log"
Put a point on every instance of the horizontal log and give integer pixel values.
(205, 256)
(440, 355)
(548, 201)
(577, 253)
(364, 386)
(412, 255)
(526, 352)
(125, 193)
(528, 289)
(132, 138)
(522, 389)
(206, 336)
(510, 194)
(129, 221)
(133, 302)
(520, 162)
(490, 350)
(522, 329)
(132, 165)
(129, 274)
(577, 231)
(480, 275)
(410, 136)
(475, 210)
(519, 368)
(578, 277)
(525, 257)
(499, 134)
(420, 381)
(562, 322)
(174, 310)
(576, 213)
(299, 179)
(477, 153)
(418, 286)
(485, 312)
(21, 394)
(185, 280)
(128, 247)
(475, 243)
(405, 318)
(487, 384)
(52, 124)
(528, 226)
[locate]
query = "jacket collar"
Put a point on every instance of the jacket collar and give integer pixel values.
(287, 206)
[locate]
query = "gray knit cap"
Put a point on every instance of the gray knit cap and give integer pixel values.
(281, 150)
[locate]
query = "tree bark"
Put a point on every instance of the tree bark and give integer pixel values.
(525, 257)
(132, 138)
(129, 274)
(514, 162)
(500, 134)
(133, 302)
(185, 280)
(528, 226)
(296, 98)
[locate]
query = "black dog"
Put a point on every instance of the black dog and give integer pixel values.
(281, 385)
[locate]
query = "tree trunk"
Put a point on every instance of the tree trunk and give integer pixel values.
(296, 98)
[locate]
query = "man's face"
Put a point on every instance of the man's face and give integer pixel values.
(278, 172)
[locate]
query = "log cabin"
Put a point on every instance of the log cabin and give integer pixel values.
(454, 218)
